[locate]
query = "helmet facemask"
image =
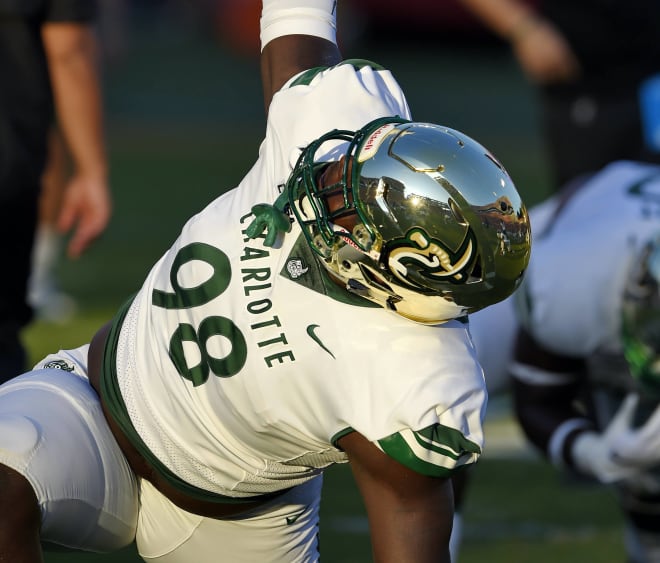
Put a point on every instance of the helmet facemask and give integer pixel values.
(310, 201)
(641, 319)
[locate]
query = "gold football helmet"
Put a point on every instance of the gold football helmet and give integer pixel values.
(439, 228)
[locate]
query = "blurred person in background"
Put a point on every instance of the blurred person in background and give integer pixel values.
(48, 61)
(586, 359)
(596, 68)
(45, 296)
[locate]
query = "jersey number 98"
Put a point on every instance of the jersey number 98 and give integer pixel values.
(212, 326)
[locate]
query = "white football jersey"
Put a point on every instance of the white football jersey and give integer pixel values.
(570, 299)
(239, 366)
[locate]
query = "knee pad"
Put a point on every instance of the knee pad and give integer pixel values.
(53, 432)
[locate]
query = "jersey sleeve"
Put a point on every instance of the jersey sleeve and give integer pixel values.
(436, 451)
(422, 399)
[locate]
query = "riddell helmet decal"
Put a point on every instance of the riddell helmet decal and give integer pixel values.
(430, 257)
(371, 145)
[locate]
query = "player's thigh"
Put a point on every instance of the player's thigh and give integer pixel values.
(284, 531)
(53, 433)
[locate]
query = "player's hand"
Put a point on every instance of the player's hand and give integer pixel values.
(593, 452)
(86, 211)
(639, 447)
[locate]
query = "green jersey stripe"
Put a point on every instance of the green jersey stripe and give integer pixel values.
(436, 451)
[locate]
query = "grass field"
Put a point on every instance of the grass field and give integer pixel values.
(182, 132)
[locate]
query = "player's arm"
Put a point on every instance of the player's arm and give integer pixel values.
(548, 398)
(296, 35)
(506, 18)
(541, 48)
(547, 391)
(71, 51)
(551, 404)
(410, 515)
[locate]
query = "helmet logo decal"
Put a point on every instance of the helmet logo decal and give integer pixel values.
(372, 144)
(296, 267)
(430, 257)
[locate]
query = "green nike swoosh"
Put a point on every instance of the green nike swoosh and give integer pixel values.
(292, 519)
(315, 338)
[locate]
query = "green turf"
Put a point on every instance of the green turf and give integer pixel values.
(183, 132)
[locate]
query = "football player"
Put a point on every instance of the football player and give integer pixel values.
(586, 365)
(314, 315)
